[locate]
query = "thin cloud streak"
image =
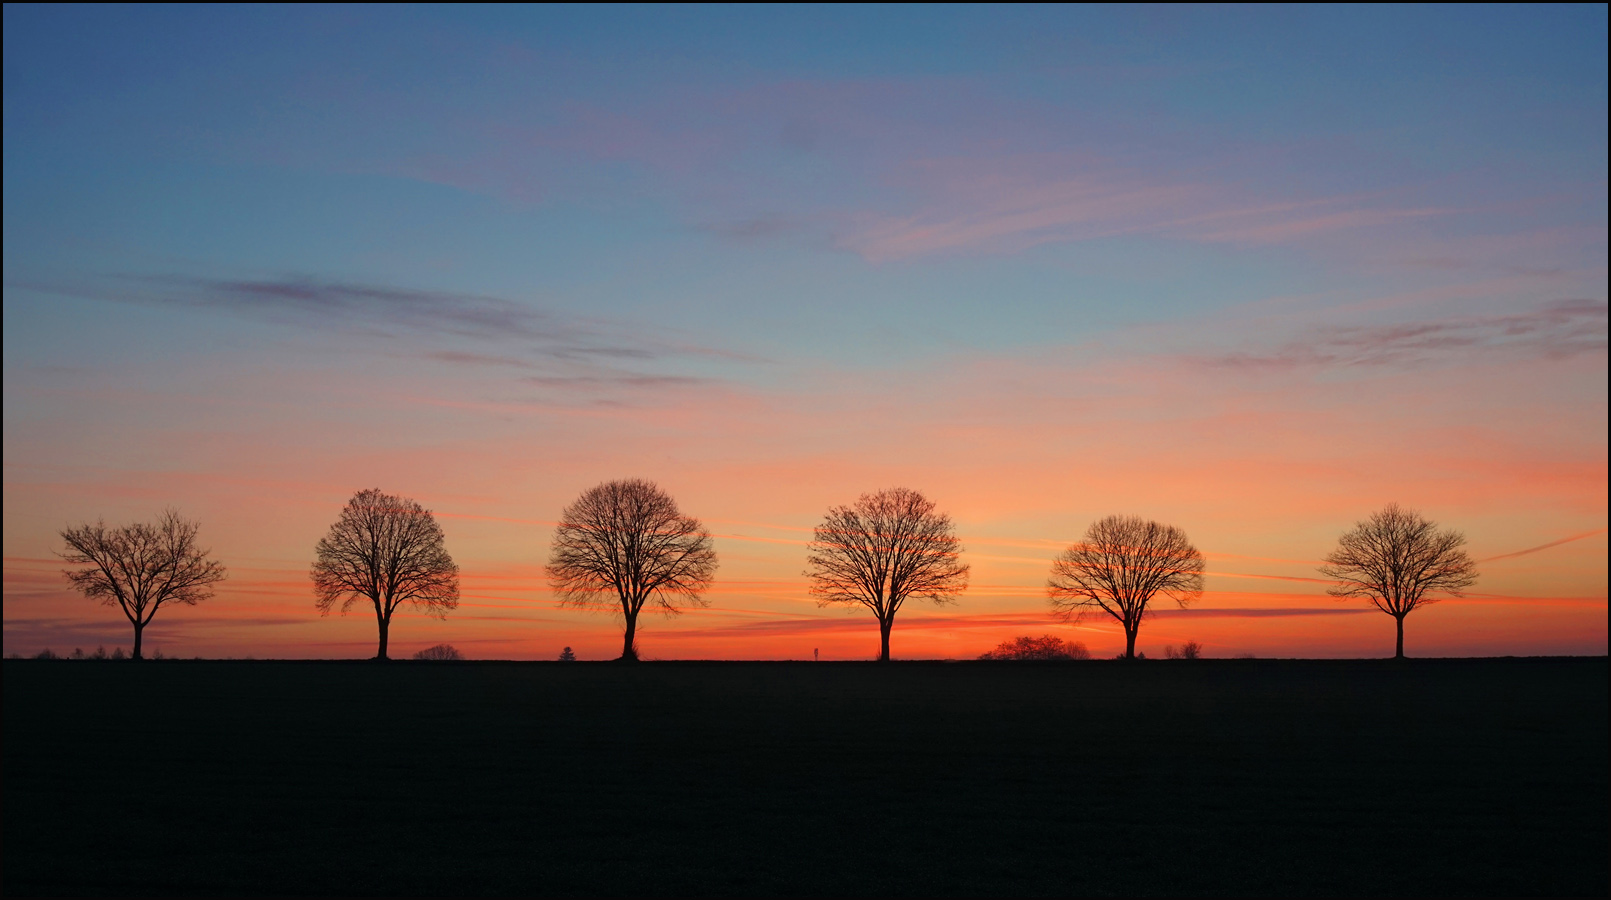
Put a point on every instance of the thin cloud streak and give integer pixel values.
(1529, 550)
(586, 350)
(1555, 331)
(859, 624)
(323, 303)
(1004, 204)
(1216, 574)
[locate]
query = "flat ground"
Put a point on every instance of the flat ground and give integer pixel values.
(1220, 776)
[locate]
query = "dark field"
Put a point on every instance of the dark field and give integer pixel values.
(1232, 776)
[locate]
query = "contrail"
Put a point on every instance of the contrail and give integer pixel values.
(1564, 540)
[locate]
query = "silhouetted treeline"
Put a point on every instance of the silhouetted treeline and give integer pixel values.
(624, 546)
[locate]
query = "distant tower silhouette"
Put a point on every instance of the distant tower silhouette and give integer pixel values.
(816, 655)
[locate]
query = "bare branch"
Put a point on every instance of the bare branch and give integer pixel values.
(1123, 563)
(141, 567)
(624, 545)
(883, 549)
(388, 550)
(1396, 559)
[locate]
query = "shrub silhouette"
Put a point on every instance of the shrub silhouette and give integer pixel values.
(440, 653)
(46, 654)
(1046, 647)
(1188, 650)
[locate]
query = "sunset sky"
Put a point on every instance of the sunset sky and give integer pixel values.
(1253, 272)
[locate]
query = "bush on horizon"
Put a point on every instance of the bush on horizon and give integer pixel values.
(1188, 650)
(440, 653)
(1046, 647)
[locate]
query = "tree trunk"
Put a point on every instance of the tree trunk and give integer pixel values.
(1130, 641)
(1400, 653)
(385, 627)
(629, 652)
(139, 632)
(884, 625)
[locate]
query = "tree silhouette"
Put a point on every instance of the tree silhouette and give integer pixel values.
(440, 653)
(1395, 559)
(388, 550)
(1046, 647)
(1121, 565)
(624, 545)
(883, 549)
(567, 655)
(141, 567)
(1188, 650)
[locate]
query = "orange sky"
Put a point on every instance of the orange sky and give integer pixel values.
(1262, 483)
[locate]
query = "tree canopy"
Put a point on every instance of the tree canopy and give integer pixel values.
(1397, 560)
(1120, 566)
(882, 550)
(141, 567)
(623, 546)
(390, 551)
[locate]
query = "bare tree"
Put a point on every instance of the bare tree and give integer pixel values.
(387, 550)
(1123, 563)
(142, 566)
(1395, 559)
(623, 546)
(883, 549)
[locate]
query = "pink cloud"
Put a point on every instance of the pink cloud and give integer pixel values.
(999, 212)
(1291, 229)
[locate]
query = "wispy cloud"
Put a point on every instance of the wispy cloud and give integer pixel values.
(465, 358)
(1013, 174)
(601, 381)
(1555, 331)
(1557, 543)
(1256, 227)
(996, 213)
(997, 203)
(835, 624)
(560, 350)
(329, 303)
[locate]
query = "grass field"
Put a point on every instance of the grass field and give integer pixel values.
(1222, 776)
